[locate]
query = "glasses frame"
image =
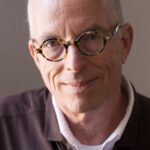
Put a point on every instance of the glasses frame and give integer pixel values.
(66, 44)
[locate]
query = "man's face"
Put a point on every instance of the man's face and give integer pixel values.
(79, 83)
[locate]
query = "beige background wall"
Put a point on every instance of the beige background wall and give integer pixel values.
(138, 67)
(17, 71)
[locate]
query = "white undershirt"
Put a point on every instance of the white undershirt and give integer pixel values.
(110, 141)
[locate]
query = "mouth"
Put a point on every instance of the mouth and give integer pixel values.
(80, 85)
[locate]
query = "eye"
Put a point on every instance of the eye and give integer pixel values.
(90, 36)
(51, 43)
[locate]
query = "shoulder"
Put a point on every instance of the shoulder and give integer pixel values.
(143, 121)
(144, 103)
(25, 102)
(23, 120)
(142, 109)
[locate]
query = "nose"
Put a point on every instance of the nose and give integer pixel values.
(74, 60)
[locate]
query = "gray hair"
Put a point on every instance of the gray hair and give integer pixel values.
(118, 6)
(30, 17)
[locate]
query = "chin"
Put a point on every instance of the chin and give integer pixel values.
(77, 105)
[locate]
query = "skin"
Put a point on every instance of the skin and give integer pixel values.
(87, 89)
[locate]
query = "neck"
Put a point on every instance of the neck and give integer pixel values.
(94, 127)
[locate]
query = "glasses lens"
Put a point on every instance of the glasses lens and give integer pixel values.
(53, 50)
(90, 43)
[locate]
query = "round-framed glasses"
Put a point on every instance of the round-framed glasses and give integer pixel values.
(89, 43)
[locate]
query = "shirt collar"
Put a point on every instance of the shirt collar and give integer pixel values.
(111, 140)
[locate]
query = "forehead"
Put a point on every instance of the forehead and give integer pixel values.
(62, 16)
(55, 5)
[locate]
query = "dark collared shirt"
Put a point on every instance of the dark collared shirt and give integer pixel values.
(28, 122)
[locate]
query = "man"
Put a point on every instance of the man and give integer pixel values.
(79, 47)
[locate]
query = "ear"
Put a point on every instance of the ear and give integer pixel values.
(126, 38)
(33, 53)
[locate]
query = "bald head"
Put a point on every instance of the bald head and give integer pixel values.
(34, 7)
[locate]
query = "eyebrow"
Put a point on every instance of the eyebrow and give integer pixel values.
(95, 28)
(47, 36)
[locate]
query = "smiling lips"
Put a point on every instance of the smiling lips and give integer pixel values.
(80, 84)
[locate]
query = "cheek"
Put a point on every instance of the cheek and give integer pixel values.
(113, 55)
(108, 63)
(50, 73)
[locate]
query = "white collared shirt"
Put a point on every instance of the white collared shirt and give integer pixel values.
(108, 144)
